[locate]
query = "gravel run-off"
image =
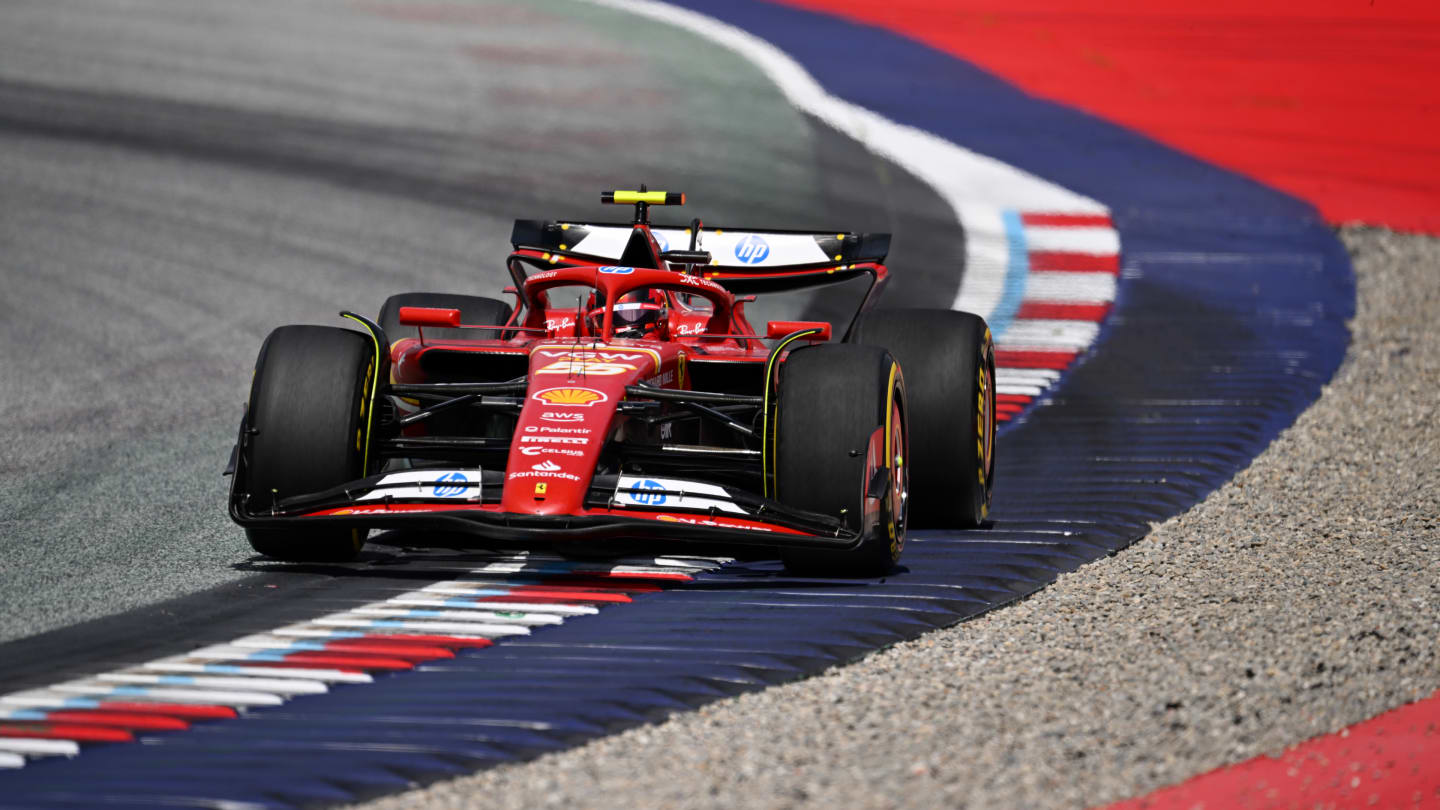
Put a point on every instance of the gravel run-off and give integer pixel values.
(1301, 597)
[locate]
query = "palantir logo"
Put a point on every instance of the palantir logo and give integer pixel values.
(648, 492)
(752, 250)
(455, 486)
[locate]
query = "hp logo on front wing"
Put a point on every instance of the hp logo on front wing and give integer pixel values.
(456, 487)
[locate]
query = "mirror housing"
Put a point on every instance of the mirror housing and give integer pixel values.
(779, 329)
(429, 316)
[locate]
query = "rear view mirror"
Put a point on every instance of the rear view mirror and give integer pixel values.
(779, 329)
(429, 316)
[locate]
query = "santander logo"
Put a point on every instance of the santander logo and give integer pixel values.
(545, 466)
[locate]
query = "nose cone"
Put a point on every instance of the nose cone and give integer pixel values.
(569, 412)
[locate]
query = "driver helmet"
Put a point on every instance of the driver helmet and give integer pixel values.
(638, 314)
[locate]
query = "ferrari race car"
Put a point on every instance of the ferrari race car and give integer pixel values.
(624, 395)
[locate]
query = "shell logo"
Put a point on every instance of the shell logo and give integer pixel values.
(583, 397)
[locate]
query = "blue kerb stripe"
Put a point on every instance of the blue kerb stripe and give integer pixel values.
(1017, 270)
(177, 680)
(28, 714)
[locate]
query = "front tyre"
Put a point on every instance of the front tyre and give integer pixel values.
(840, 449)
(949, 362)
(308, 431)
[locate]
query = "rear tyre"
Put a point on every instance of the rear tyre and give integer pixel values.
(840, 448)
(474, 309)
(307, 417)
(949, 362)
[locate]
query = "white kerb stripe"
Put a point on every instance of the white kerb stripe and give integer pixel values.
(525, 607)
(1097, 240)
(1077, 288)
(282, 686)
(9, 760)
(38, 747)
(451, 628)
(1026, 390)
(332, 675)
(219, 697)
(33, 698)
(1031, 376)
(456, 615)
(1051, 334)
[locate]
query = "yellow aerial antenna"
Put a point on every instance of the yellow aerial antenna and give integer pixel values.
(642, 200)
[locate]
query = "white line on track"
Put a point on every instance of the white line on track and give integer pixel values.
(978, 188)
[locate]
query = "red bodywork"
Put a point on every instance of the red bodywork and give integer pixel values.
(580, 385)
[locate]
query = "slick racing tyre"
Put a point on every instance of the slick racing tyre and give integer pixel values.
(949, 362)
(474, 309)
(840, 449)
(307, 422)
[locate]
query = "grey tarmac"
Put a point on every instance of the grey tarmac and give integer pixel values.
(179, 177)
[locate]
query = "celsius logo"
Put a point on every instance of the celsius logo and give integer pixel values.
(648, 492)
(752, 250)
(456, 486)
(545, 466)
(612, 270)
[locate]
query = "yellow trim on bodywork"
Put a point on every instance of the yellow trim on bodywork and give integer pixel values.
(767, 459)
(374, 387)
(890, 412)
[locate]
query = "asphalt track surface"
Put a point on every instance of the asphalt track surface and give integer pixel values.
(175, 184)
(178, 179)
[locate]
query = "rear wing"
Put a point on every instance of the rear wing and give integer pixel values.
(745, 261)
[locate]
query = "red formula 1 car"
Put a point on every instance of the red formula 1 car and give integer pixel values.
(625, 395)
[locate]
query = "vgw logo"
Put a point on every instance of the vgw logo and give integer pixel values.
(455, 487)
(650, 493)
(752, 250)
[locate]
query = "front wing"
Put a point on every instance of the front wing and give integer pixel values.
(617, 506)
